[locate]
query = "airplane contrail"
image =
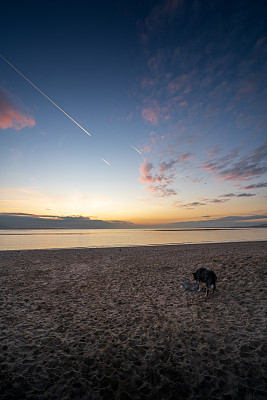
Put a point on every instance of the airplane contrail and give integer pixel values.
(106, 161)
(135, 149)
(39, 90)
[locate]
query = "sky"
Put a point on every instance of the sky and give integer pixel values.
(133, 113)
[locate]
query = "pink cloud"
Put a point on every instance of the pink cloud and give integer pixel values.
(147, 179)
(174, 86)
(244, 90)
(156, 63)
(179, 83)
(167, 117)
(165, 166)
(186, 156)
(148, 82)
(11, 117)
(145, 171)
(188, 88)
(214, 152)
(151, 143)
(172, 5)
(146, 149)
(261, 41)
(147, 176)
(150, 115)
(152, 112)
(158, 184)
(162, 12)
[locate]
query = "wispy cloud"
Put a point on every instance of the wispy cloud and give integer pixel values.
(167, 165)
(238, 195)
(194, 78)
(256, 186)
(191, 206)
(218, 201)
(204, 202)
(150, 143)
(229, 168)
(223, 222)
(196, 204)
(11, 116)
(157, 180)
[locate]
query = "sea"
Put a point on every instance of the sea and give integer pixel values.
(26, 239)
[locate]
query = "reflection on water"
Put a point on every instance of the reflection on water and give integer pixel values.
(68, 238)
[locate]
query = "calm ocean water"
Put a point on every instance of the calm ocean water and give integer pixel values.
(69, 238)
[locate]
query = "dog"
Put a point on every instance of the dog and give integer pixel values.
(203, 275)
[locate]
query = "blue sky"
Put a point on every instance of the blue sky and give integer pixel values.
(172, 92)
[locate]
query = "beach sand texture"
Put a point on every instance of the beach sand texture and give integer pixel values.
(117, 324)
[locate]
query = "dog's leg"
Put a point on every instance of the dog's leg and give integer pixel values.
(199, 286)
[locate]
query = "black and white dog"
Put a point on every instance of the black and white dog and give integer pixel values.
(203, 275)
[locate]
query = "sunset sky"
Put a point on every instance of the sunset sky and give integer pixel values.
(173, 94)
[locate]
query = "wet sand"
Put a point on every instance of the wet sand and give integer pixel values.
(117, 323)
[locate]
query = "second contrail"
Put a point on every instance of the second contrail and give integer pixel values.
(39, 90)
(135, 149)
(106, 161)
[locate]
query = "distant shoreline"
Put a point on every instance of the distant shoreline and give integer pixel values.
(218, 228)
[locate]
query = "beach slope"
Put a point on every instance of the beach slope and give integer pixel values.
(117, 323)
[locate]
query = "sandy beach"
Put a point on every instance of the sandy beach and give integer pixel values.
(116, 323)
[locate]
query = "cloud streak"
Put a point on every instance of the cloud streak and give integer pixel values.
(238, 195)
(223, 199)
(223, 222)
(256, 186)
(195, 204)
(229, 168)
(192, 205)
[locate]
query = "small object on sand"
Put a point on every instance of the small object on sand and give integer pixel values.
(190, 286)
